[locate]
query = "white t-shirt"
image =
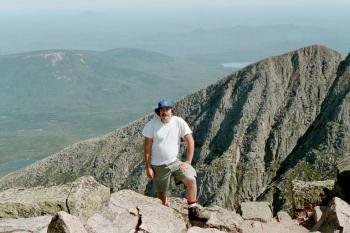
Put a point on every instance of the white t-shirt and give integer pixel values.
(166, 138)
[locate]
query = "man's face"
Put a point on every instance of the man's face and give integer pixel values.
(165, 114)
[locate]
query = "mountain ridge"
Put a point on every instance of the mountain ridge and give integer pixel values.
(245, 126)
(51, 98)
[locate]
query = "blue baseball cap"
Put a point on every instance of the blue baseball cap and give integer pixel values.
(164, 103)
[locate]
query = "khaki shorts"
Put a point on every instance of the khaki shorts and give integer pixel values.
(163, 174)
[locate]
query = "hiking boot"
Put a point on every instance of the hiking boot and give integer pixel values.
(194, 214)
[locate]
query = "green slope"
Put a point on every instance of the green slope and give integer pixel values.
(50, 99)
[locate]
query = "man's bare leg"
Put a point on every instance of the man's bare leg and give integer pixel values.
(163, 198)
(191, 189)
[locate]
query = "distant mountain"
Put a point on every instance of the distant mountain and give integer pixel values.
(282, 118)
(49, 99)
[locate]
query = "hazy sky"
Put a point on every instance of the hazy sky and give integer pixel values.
(22, 6)
(104, 24)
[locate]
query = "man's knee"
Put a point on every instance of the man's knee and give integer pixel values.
(189, 181)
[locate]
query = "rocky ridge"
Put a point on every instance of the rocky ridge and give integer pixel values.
(126, 211)
(279, 117)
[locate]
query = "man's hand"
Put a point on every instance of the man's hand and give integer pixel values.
(183, 166)
(147, 156)
(150, 173)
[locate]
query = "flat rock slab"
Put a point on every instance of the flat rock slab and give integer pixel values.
(256, 211)
(203, 230)
(128, 211)
(81, 198)
(158, 218)
(221, 218)
(35, 224)
(249, 226)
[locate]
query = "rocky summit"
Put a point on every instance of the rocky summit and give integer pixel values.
(256, 130)
(126, 211)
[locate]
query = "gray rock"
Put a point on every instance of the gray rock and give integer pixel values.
(318, 151)
(63, 222)
(159, 218)
(318, 212)
(249, 226)
(203, 230)
(17, 202)
(283, 216)
(256, 211)
(86, 196)
(222, 219)
(98, 223)
(179, 205)
(272, 227)
(80, 198)
(128, 211)
(285, 116)
(336, 218)
(342, 187)
(305, 193)
(217, 217)
(35, 224)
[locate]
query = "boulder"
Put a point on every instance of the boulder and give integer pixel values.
(179, 205)
(98, 223)
(86, 196)
(217, 217)
(80, 198)
(221, 218)
(312, 192)
(283, 216)
(256, 211)
(157, 218)
(35, 224)
(63, 222)
(18, 202)
(318, 211)
(343, 179)
(128, 211)
(335, 218)
(249, 226)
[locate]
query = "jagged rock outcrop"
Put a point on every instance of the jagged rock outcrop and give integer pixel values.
(342, 188)
(63, 222)
(305, 193)
(326, 142)
(335, 218)
(252, 130)
(127, 211)
(81, 198)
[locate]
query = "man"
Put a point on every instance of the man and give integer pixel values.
(161, 148)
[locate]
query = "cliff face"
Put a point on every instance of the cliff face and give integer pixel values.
(254, 119)
(323, 146)
(250, 128)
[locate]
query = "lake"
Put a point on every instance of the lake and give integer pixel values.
(16, 164)
(236, 65)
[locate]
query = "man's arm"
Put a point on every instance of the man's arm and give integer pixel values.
(147, 150)
(189, 148)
